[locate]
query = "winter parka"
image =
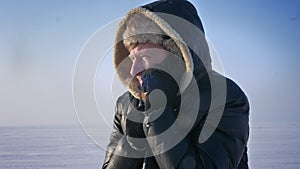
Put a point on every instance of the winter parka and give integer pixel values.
(210, 127)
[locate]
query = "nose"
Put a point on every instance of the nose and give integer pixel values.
(136, 67)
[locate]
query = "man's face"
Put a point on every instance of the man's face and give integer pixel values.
(145, 56)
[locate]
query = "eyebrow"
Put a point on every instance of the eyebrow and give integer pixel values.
(139, 54)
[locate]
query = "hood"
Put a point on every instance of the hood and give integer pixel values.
(177, 20)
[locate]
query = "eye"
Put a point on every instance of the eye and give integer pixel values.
(145, 57)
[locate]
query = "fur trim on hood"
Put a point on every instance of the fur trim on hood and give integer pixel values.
(150, 24)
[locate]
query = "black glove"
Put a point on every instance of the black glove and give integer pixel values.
(158, 79)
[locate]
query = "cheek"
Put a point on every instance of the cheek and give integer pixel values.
(156, 60)
(148, 64)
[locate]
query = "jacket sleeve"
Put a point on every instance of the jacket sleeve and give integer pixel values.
(118, 145)
(116, 135)
(224, 148)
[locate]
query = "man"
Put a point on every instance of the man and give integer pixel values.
(178, 112)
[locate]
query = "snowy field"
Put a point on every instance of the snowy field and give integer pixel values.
(275, 146)
(270, 147)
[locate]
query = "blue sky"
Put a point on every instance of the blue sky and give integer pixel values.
(257, 42)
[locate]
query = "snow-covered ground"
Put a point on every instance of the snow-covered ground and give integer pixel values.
(270, 146)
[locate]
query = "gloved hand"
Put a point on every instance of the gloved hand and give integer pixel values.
(158, 79)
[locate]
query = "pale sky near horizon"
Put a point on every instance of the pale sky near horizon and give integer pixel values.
(257, 43)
